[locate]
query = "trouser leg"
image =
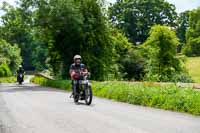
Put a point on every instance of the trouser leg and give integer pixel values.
(75, 87)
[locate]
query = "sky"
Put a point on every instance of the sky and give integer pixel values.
(12, 2)
(181, 5)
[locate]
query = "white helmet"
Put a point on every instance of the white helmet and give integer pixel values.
(77, 57)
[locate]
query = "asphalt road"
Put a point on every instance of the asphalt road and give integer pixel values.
(34, 109)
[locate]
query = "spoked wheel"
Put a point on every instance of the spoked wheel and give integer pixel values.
(88, 95)
(76, 98)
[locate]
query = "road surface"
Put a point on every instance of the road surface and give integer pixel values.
(33, 109)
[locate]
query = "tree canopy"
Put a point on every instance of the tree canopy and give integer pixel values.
(135, 17)
(192, 47)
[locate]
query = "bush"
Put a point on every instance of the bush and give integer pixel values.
(133, 64)
(192, 48)
(5, 71)
(183, 78)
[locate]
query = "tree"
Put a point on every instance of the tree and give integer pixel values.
(10, 55)
(163, 64)
(183, 24)
(135, 17)
(97, 45)
(15, 28)
(72, 27)
(192, 47)
(40, 55)
(57, 24)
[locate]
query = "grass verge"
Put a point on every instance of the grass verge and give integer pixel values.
(7, 79)
(193, 66)
(167, 97)
(61, 84)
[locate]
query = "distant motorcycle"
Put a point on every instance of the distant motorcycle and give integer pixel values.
(20, 78)
(82, 90)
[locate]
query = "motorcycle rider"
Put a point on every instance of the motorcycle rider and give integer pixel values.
(77, 71)
(20, 71)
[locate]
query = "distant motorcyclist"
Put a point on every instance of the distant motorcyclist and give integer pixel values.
(77, 71)
(22, 72)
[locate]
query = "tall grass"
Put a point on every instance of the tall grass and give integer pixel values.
(7, 79)
(61, 84)
(193, 66)
(167, 97)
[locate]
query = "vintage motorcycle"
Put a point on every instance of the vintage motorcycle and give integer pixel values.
(82, 90)
(20, 78)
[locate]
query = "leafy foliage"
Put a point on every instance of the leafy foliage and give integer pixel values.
(15, 30)
(192, 47)
(163, 64)
(5, 71)
(7, 79)
(74, 27)
(9, 56)
(97, 46)
(135, 17)
(49, 33)
(183, 25)
(134, 64)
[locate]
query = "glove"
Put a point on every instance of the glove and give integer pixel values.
(74, 75)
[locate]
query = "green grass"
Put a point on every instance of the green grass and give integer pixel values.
(193, 66)
(167, 97)
(7, 79)
(62, 84)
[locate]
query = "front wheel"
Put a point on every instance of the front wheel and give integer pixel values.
(76, 98)
(20, 82)
(75, 95)
(88, 95)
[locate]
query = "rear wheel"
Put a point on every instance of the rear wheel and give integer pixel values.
(88, 95)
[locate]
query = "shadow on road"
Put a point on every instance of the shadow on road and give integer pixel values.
(82, 103)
